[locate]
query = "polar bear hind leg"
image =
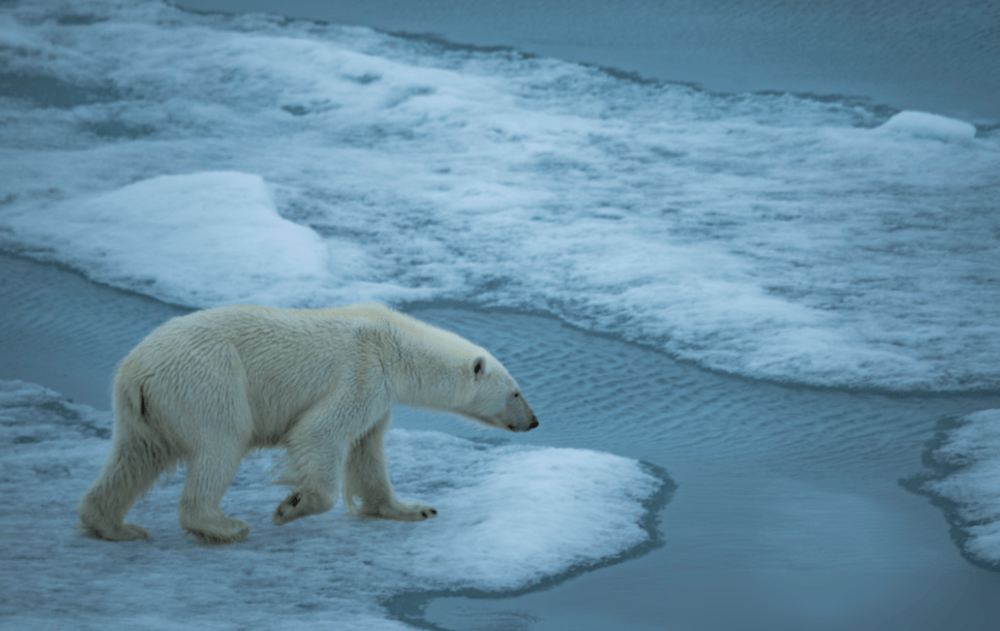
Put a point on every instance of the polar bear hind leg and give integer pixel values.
(131, 469)
(223, 439)
(209, 475)
(366, 478)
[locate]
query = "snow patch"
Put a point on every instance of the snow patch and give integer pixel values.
(205, 239)
(972, 450)
(927, 125)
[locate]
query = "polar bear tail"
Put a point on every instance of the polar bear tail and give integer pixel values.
(139, 454)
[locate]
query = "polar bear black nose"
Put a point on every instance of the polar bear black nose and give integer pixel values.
(534, 423)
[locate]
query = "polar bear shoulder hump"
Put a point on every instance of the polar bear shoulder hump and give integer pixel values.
(416, 330)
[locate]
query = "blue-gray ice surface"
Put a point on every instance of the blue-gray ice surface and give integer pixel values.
(209, 159)
(969, 453)
(771, 236)
(509, 517)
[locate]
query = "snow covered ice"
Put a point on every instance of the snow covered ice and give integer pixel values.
(209, 237)
(509, 516)
(930, 126)
(770, 236)
(969, 455)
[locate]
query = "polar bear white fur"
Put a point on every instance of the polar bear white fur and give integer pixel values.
(208, 387)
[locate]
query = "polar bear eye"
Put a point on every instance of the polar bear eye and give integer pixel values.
(517, 394)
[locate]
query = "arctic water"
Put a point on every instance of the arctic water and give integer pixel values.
(759, 329)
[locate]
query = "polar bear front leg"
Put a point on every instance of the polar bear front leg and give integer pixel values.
(313, 470)
(366, 478)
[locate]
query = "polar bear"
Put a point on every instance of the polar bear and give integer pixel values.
(208, 387)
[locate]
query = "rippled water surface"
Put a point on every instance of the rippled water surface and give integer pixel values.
(932, 55)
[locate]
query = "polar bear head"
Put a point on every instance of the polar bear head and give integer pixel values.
(493, 397)
(439, 370)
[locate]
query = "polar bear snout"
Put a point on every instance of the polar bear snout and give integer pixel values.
(518, 416)
(534, 423)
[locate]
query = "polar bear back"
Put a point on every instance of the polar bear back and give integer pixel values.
(283, 361)
(418, 332)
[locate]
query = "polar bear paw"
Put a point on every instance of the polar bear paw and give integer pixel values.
(299, 504)
(220, 532)
(122, 532)
(403, 511)
(131, 532)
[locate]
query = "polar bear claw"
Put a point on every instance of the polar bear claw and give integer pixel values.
(400, 511)
(299, 504)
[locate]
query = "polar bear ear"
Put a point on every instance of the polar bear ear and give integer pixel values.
(478, 367)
